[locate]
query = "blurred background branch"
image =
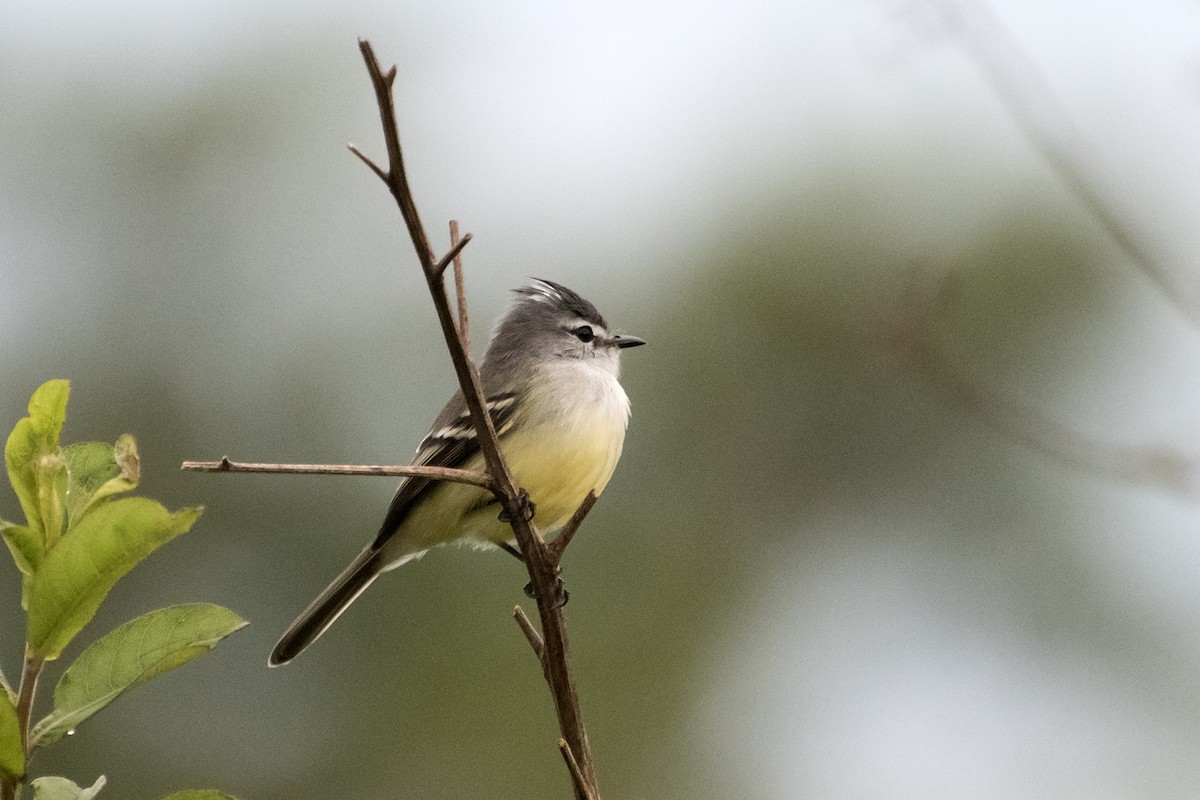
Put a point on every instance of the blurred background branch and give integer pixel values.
(927, 306)
(1020, 84)
(1027, 95)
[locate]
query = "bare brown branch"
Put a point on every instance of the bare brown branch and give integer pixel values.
(559, 545)
(436, 473)
(452, 256)
(581, 786)
(540, 562)
(460, 290)
(363, 157)
(396, 178)
(535, 638)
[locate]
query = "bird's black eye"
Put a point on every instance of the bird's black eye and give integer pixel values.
(583, 333)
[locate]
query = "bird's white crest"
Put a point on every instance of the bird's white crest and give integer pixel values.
(544, 292)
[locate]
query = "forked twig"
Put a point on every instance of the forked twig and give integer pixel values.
(541, 561)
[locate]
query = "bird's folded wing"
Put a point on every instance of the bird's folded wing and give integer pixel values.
(451, 443)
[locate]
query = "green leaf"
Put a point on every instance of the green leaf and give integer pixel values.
(128, 460)
(200, 794)
(76, 576)
(129, 656)
(96, 471)
(38, 475)
(19, 451)
(89, 466)
(12, 755)
(51, 471)
(129, 470)
(35, 465)
(48, 408)
(27, 552)
(24, 544)
(63, 789)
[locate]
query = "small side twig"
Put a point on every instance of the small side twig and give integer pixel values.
(460, 289)
(434, 473)
(535, 638)
(577, 778)
(559, 545)
(452, 257)
(353, 148)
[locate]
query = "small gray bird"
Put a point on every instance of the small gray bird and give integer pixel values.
(550, 380)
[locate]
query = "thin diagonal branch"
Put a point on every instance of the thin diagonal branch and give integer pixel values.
(397, 178)
(1031, 102)
(452, 256)
(581, 786)
(460, 289)
(559, 545)
(468, 377)
(535, 638)
(539, 560)
(353, 148)
(436, 473)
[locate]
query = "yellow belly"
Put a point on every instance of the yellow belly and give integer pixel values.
(559, 472)
(557, 464)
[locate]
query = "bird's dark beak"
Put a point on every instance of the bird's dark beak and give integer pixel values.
(624, 340)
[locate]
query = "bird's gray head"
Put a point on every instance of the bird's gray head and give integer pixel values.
(548, 322)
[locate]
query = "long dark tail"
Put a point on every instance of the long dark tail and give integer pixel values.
(329, 605)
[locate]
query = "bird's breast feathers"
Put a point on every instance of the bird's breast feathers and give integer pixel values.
(562, 440)
(567, 438)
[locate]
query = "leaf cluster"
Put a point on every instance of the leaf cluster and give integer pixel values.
(80, 536)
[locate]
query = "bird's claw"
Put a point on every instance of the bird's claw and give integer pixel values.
(561, 595)
(526, 508)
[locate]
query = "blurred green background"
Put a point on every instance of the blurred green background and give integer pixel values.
(895, 518)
